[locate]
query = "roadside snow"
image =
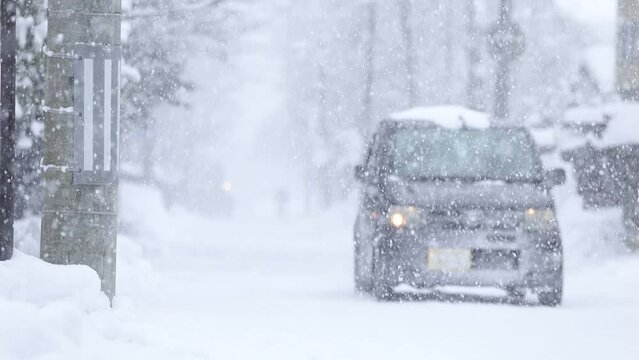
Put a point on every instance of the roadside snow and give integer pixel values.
(621, 121)
(26, 279)
(48, 311)
(585, 115)
(624, 124)
(449, 116)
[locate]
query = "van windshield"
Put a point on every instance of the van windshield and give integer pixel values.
(434, 153)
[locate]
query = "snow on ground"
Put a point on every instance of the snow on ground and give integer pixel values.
(281, 288)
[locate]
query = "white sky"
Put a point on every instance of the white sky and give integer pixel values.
(592, 11)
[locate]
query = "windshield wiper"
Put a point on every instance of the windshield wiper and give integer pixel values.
(442, 178)
(472, 179)
(523, 180)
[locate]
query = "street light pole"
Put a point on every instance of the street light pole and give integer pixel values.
(7, 124)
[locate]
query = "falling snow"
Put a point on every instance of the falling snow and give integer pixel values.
(334, 179)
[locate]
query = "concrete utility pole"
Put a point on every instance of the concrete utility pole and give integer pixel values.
(628, 50)
(8, 125)
(79, 224)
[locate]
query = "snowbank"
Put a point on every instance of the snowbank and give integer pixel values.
(623, 127)
(47, 309)
(448, 116)
(56, 312)
(618, 124)
(585, 115)
(28, 279)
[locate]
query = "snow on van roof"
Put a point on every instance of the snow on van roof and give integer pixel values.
(448, 116)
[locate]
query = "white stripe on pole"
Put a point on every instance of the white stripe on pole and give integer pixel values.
(88, 115)
(108, 117)
(117, 111)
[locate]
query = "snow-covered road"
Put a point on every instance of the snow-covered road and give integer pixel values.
(194, 288)
(282, 288)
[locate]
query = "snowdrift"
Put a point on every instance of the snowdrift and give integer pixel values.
(46, 309)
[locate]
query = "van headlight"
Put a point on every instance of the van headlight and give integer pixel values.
(540, 219)
(402, 216)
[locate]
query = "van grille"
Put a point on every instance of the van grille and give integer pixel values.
(476, 219)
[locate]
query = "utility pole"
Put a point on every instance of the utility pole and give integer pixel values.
(502, 82)
(449, 44)
(367, 112)
(628, 50)
(506, 43)
(79, 224)
(8, 53)
(406, 12)
(473, 81)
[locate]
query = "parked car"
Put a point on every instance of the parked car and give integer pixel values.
(449, 200)
(602, 143)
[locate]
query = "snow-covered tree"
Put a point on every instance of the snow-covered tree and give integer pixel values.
(168, 47)
(31, 32)
(153, 74)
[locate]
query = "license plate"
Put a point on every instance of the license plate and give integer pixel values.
(449, 260)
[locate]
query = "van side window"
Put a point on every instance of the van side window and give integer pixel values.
(369, 163)
(382, 150)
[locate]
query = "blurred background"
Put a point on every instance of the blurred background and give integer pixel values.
(242, 122)
(265, 105)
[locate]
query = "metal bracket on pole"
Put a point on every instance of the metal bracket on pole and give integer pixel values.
(96, 100)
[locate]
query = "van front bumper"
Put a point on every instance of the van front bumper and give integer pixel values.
(518, 259)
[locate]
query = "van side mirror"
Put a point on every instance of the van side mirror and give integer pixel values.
(555, 177)
(360, 173)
